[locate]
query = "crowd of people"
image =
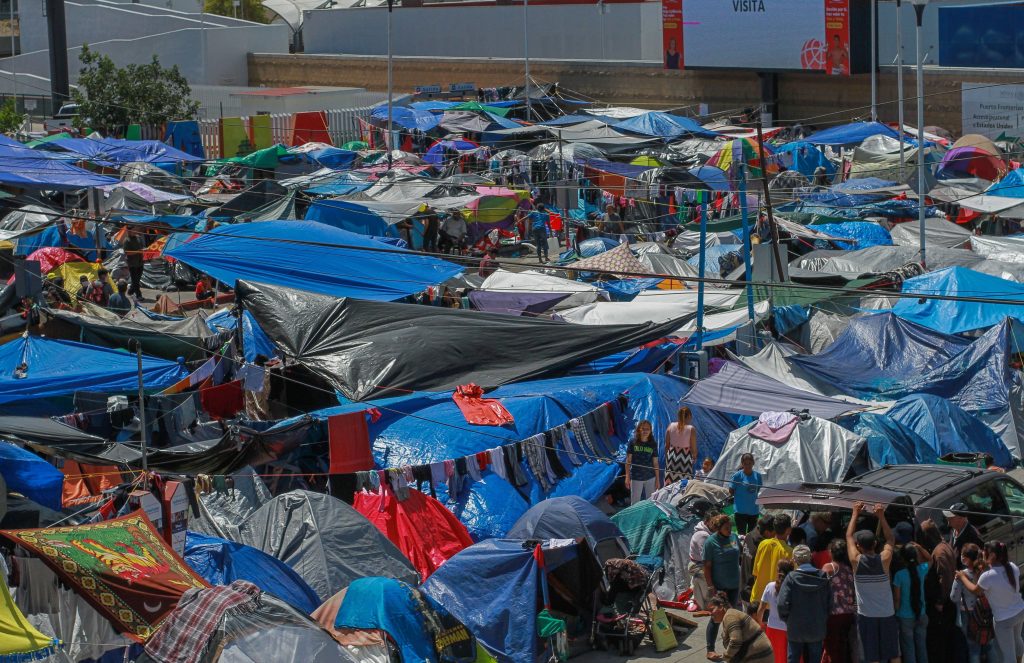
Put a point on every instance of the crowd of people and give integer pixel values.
(874, 594)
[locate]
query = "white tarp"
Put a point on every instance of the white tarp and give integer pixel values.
(937, 232)
(1004, 249)
(531, 281)
(634, 312)
(817, 451)
(713, 298)
(1007, 208)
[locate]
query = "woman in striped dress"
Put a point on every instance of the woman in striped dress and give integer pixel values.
(680, 447)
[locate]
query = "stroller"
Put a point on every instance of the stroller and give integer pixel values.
(622, 613)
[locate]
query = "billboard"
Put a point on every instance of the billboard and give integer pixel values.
(987, 36)
(762, 35)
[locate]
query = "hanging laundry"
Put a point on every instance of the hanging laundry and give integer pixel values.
(479, 410)
(349, 443)
(774, 427)
(223, 401)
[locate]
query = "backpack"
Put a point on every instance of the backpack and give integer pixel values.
(980, 628)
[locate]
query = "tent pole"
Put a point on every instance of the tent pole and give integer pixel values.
(143, 432)
(746, 239)
(899, 85)
(702, 263)
(768, 202)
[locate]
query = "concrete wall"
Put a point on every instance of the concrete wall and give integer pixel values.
(225, 61)
(811, 98)
(627, 31)
(90, 22)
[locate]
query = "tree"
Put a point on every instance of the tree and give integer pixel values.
(111, 97)
(10, 119)
(250, 10)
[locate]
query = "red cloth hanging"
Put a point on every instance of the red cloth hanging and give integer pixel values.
(349, 443)
(478, 410)
(224, 400)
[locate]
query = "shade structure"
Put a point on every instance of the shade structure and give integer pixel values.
(972, 161)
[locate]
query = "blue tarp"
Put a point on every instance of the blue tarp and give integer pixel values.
(60, 368)
(712, 176)
(489, 508)
(664, 125)
(643, 360)
(390, 606)
(850, 134)
(889, 442)
(565, 518)
(589, 248)
(864, 234)
(979, 378)
(947, 428)
(617, 168)
(254, 340)
(1011, 186)
(176, 221)
(185, 136)
(861, 184)
(86, 246)
(337, 262)
(28, 474)
(407, 118)
(804, 158)
(332, 157)
(435, 155)
(115, 152)
(879, 352)
(898, 209)
(576, 118)
(7, 141)
(221, 562)
(494, 588)
(624, 290)
(37, 171)
(955, 317)
(350, 216)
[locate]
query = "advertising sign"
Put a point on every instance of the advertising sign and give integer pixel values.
(763, 35)
(993, 111)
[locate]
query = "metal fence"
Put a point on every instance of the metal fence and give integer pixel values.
(342, 127)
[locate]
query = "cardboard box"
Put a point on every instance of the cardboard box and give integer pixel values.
(175, 515)
(145, 500)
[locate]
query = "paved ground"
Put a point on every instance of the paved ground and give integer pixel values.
(690, 650)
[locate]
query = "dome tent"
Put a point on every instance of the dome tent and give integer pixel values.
(572, 517)
(327, 542)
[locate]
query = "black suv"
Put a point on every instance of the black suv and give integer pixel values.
(918, 492)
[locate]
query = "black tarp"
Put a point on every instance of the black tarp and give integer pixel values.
(370, 349)
(236, 448)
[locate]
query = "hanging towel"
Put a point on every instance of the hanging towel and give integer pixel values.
(349, 443)
(576, 457)
(498, 462)
(438, 474)
(223, 401)
(479, 410)
(535, 461)
(554, 462)
(422, 473)
(473, 468)
(513, 454)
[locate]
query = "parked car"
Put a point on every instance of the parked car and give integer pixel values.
(916, 493)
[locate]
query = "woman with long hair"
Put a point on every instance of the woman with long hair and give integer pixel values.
(908, 595)
(843, 615)
(775, 629)
(642, 463)
(977, 633)
(680, 447)
(1001, 586)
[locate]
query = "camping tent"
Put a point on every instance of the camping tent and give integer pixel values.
(850, 134)
(657, 529)
(327, 542)
(496, 589)
(947, 428)
(530, 282)
(955, 317)
(425, 531)
(816, 451)
(220, 562)
(572, 517)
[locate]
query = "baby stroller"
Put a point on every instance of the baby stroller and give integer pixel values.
(623, 611)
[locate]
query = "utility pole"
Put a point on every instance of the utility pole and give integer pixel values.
(56, 28)
(768, 201)
(387, 143)
(143, 432)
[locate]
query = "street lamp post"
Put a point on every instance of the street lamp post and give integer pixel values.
(874, 60)
(387, 143)
(919, 6)
(526, 58)
(899, 84)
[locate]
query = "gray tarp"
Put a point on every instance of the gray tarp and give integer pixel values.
(737, 390)
(324, 540)
(1004, 249)
(881, 259)
(817, 451)
(189, 337)
(937, 232)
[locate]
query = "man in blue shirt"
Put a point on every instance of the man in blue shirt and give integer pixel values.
(745, 486)
(540, 223)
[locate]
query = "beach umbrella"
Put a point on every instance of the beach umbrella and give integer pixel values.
(741, 150)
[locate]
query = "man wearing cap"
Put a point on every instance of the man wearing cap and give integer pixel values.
(876, 613)
(961, 531)
(805, 601)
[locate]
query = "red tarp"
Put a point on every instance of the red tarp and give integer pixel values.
(425, 531)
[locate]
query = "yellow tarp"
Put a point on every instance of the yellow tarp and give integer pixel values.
(19, 640)
(72, 271)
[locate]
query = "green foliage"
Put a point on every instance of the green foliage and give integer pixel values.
(250, 10)
(110, 97)
(10, 119)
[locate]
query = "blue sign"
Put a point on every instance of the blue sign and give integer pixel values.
(428, 89)
(462, 87)
(989, 36)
